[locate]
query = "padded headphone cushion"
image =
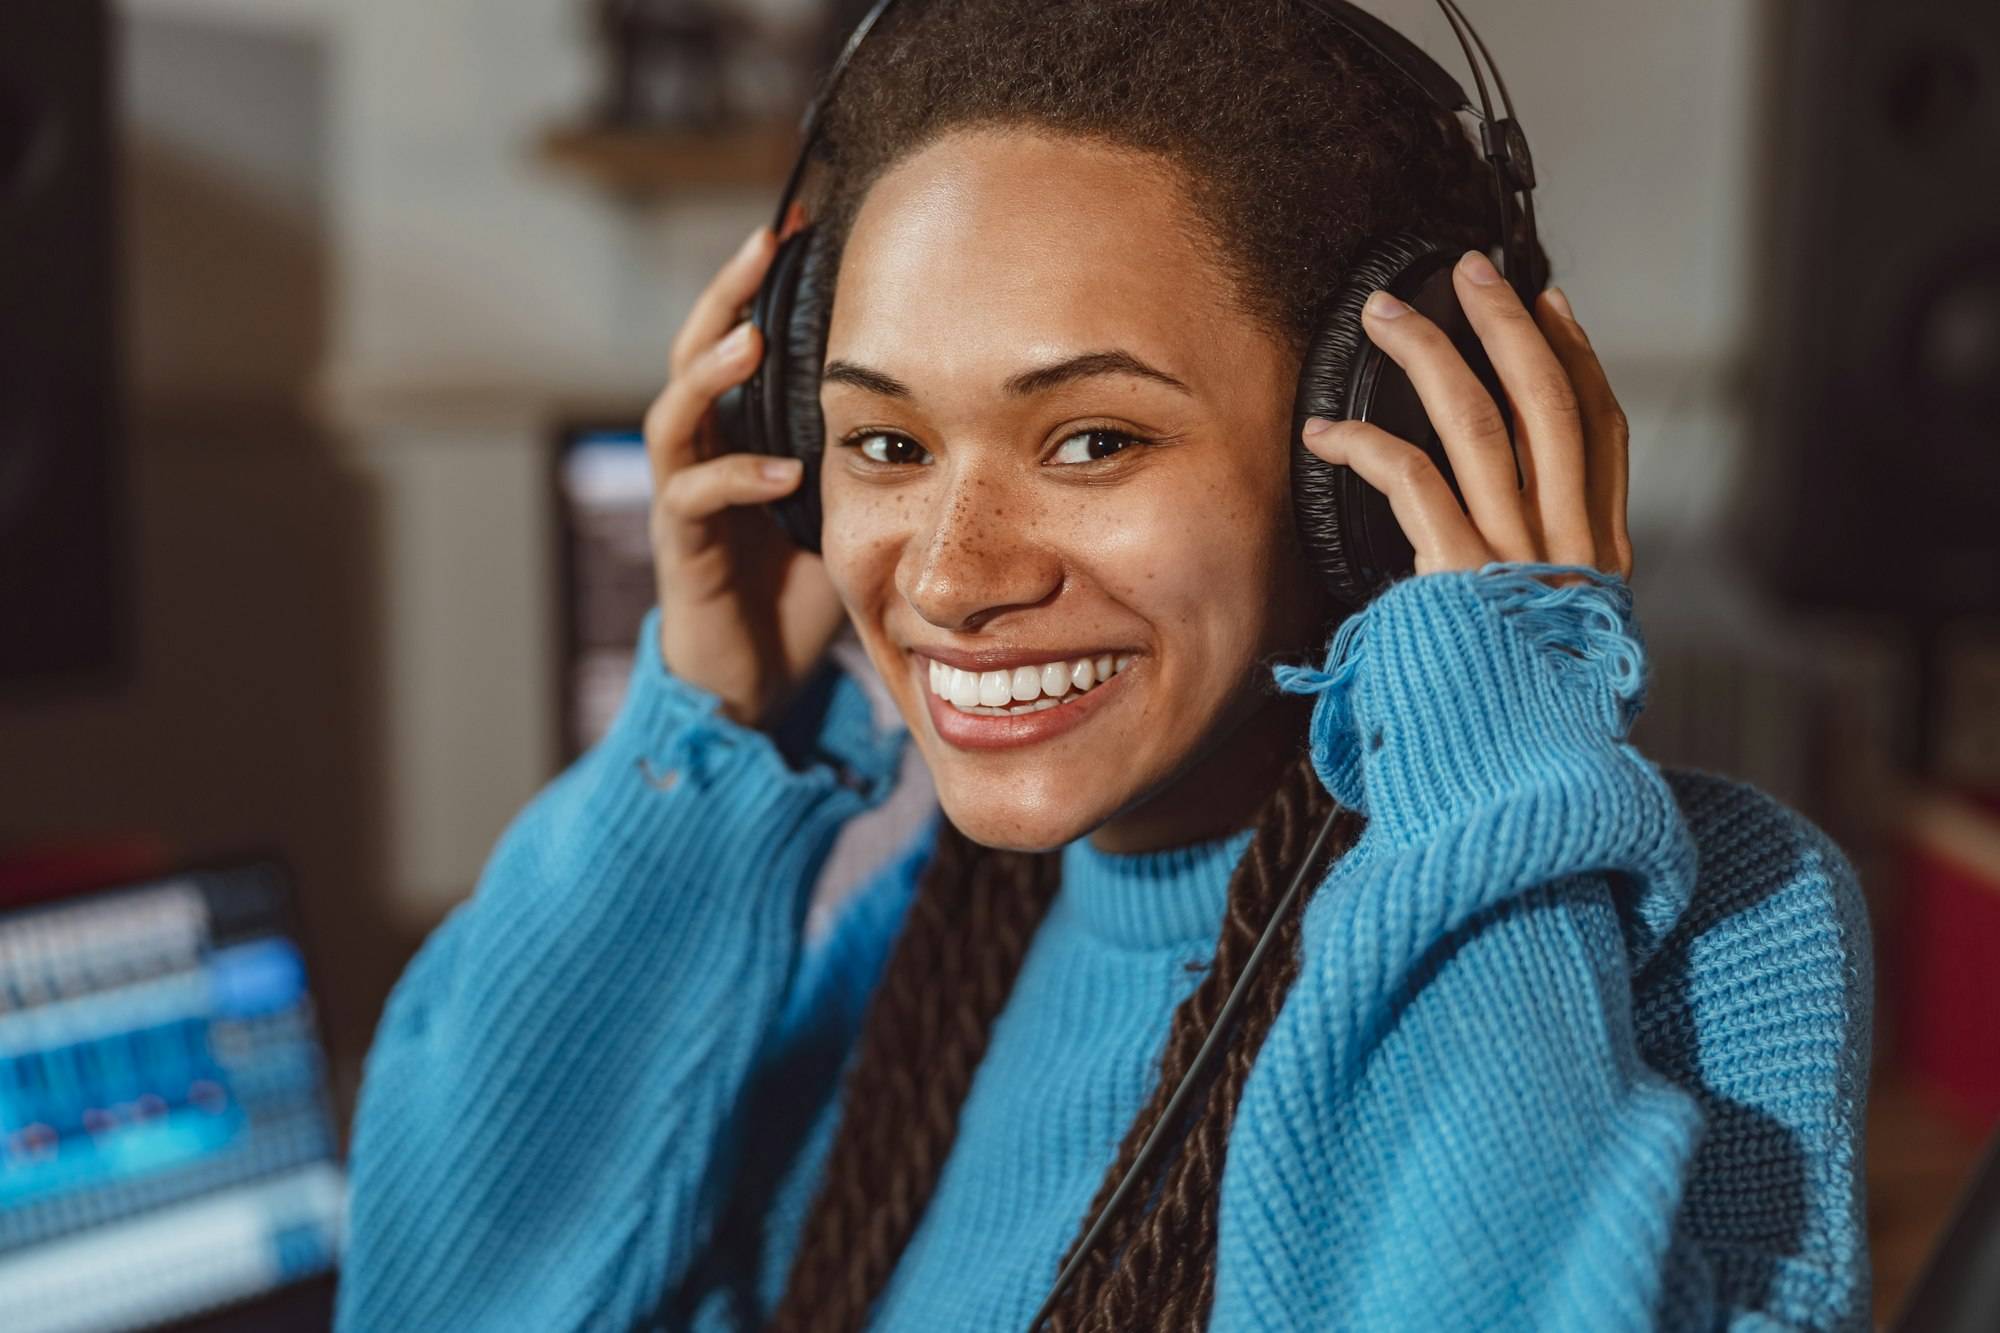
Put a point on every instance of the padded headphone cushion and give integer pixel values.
(804, 339)
(777, 410)
(1346, 529)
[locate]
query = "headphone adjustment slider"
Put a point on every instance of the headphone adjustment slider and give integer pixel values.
(1507, 149)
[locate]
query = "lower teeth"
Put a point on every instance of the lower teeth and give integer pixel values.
(1035, 707)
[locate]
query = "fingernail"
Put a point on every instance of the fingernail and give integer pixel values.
(1561, 303)
(751, 242)
(1384, 306)
(737, 343)
(1479, 269)
(779, 469)
(1315, 427)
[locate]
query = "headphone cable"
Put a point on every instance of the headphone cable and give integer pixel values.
(1211, 1046)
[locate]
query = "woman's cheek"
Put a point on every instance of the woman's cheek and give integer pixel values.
(1195, 552)
(859, 538)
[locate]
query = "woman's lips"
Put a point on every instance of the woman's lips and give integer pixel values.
(975, 731)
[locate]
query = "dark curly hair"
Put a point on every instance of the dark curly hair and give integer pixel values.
(1296, 145)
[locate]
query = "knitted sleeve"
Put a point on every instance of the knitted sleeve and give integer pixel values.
(1473, 1131)
(546, 1123)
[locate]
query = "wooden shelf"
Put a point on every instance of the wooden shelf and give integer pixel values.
(644, 164)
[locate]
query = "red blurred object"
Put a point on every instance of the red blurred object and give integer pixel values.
(34, 874)
(1952, 959)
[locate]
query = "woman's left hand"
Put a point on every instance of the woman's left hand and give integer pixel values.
(1570, 508)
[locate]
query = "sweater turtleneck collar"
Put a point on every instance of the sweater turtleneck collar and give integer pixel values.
(1150, 900)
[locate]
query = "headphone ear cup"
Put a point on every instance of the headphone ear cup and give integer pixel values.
(1346, 527)
(804, 430)
(755, 417)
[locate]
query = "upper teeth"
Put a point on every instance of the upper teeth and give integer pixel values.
(1023, 689)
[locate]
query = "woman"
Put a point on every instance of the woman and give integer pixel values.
(1557, 1040)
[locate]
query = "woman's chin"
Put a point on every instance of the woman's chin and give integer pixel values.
(1019, 815)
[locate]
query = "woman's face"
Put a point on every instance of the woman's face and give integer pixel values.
(1057, 494)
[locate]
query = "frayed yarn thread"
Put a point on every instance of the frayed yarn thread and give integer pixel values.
(1334, 679)
(1588, 626)
(1336, 756)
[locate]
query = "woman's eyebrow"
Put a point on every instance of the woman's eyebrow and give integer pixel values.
(1028, 382)
(1043, 378)
(861, 377)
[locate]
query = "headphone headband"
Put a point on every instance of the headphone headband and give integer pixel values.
(1501, 138)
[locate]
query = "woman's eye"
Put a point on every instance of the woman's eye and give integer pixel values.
(882, 448)
(1088, 446)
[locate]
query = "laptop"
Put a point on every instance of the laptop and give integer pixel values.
(167, 1139)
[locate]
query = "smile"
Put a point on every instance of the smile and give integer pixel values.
(1032, 701)
(1031, 688)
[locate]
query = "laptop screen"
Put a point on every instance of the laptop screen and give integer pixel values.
(167, 1142)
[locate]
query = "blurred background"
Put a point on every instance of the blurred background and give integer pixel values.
(324, 328)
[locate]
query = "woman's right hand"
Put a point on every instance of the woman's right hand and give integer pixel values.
(743, 612)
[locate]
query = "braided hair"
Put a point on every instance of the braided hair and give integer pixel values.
(1295, 145)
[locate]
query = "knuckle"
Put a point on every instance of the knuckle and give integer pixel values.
(1478, 419)
(1616, 421)
(677, 494)
(1551, 391)
(657, 414)
(718, 365)
(1411, 468)
(682, 351)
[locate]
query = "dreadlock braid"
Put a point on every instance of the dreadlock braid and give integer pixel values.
(1163, 1238)
(975, 911)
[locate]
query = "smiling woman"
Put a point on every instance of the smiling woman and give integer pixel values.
(1024, 500)
(1555, 1038)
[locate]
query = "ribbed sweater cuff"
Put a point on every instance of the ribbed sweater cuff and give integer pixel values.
(829, 731)
(727, 822)
(1452, 689)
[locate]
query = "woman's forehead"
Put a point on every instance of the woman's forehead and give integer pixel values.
(1026, 246)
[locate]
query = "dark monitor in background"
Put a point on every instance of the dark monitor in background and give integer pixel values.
(167, 1143)
(62, 540)
(604, 486)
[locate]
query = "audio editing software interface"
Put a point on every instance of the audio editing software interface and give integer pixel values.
(166, 1138)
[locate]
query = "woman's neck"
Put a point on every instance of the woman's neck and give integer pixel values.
(1222, 789)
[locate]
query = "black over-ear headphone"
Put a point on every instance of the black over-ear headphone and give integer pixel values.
(1346, 527)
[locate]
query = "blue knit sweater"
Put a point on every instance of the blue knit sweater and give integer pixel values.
(1575, 1042)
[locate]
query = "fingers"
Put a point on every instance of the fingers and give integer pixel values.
(1547, 415)
(676, 415)
(720, 304)
(1430, 516)
(1607, 436)
(1466, 417)
(696, 494)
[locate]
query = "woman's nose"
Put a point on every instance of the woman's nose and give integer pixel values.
(981, 554)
